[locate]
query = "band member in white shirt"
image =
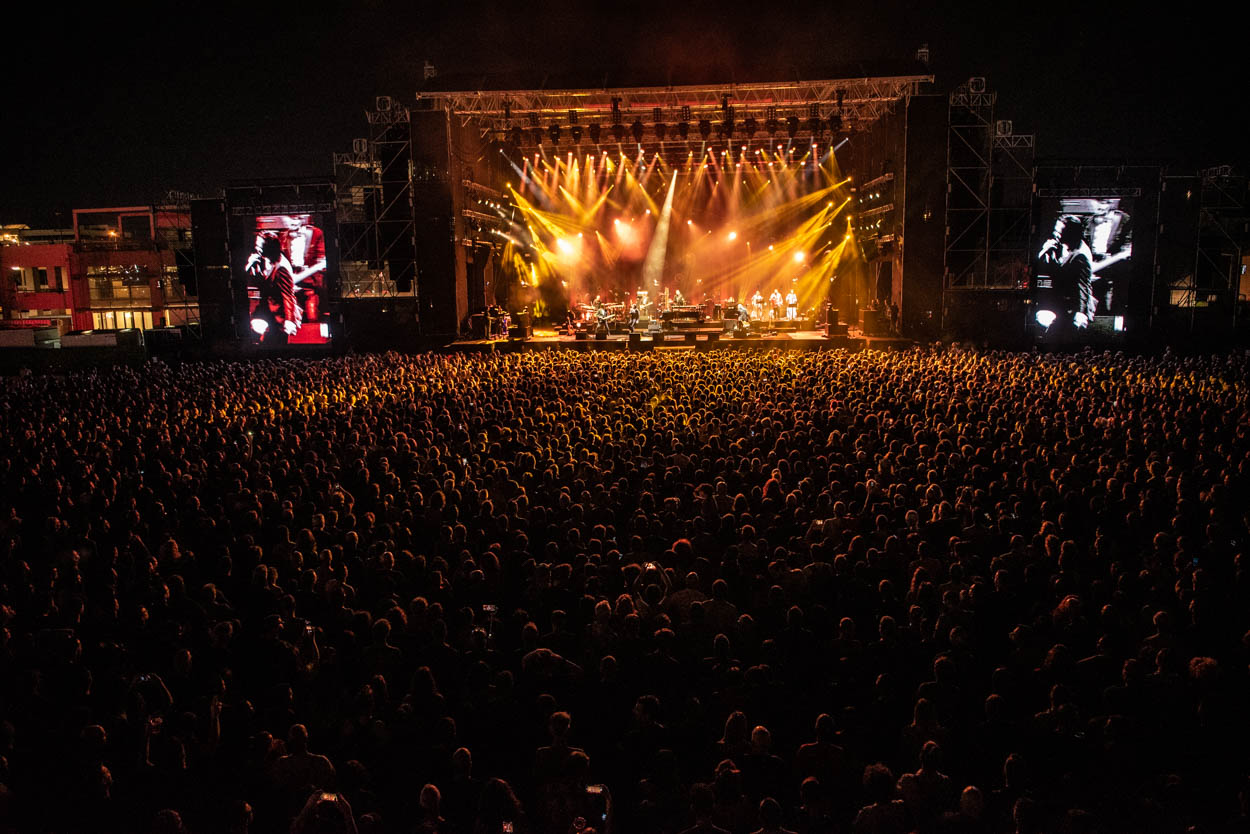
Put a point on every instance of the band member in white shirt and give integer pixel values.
(774, 304)
(792, 305)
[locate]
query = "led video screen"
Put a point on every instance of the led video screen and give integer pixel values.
(1083, 265)
(286, 262)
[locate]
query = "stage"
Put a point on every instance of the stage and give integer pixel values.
(548, 339)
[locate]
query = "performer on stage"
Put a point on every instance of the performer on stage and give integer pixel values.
(304, 245)
(277, 316)
(792, 305)
(678, 299)
(634, 315)
(774, 304)
(498, 320)
(757, 305)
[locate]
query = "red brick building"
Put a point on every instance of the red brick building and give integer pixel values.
(116, 268)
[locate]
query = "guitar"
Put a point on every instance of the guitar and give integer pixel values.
(1123, 255)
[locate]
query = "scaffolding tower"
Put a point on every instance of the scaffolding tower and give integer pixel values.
(1223, 225)
(969, 151)
(374, 206)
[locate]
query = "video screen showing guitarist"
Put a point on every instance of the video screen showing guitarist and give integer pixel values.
(1109, 233)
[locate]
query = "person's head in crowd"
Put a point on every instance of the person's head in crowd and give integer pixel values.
(878, 784)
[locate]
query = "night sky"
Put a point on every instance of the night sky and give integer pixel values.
(119, 103)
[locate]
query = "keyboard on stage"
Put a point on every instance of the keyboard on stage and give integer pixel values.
(686, 313)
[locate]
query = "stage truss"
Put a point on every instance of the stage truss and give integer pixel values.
(989, 174)
(658, 114)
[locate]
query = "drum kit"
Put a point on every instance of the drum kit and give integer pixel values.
(498, 322)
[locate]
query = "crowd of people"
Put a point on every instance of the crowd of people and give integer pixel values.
(935, 590)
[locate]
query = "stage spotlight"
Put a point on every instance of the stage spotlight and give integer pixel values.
(733, 235)
(576, 132)
(799, 257)
(705, 129)
(636, 129)
(1046, 318)
(618, 132)
(537, 133)
(683, 130)
(792, 126)
(554, 133)
(595, 130)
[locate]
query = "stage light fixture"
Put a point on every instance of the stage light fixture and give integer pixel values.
(705, 129)
(683, 130)
(661, 130)
(554, 132)
(618, 132)
(636, 129)
(792, 126)
(835, 122)
(518, 136)
(815, 125)
(537, 133)
(595, 130)
(576, 132)
(750, 126)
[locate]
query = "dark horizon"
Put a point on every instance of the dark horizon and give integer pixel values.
(112, 110)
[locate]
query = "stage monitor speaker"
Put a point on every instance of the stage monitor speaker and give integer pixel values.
(635, 339)
(713, 337)
(873, 322)
(582, 336)
(601, 335)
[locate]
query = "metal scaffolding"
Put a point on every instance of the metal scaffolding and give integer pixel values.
(374, 204)
(1222, 241)
(969, 150)
(989, 178)
(849, 104)
(1011, 208)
